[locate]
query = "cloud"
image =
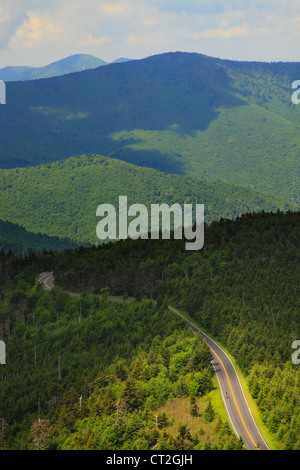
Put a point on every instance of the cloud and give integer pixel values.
(14, 13)
(92, 41)
(114, 9)
(34, 31)
(235, 31)
(139, 28)
(10, 18)
(191, 7)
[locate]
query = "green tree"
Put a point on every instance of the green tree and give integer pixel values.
(209, 413)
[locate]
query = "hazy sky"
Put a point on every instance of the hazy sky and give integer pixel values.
(37, 32)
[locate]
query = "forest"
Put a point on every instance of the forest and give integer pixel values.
(84, 373)
(15, 238)
(180, 113)
(70, 364)
(62, 197)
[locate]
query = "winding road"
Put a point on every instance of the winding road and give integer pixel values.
(232, 393)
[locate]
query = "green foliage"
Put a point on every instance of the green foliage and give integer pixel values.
(243, 287)
(177, 112)
(276, 391)
(128, 359)
(209, 414)
(61, 198)
(17, 239)
(88, 382)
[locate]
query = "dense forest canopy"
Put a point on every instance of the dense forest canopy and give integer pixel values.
(14, 237)
(177, 112)
(242, 288)
(61, 198)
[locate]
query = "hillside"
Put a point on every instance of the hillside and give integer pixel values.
(109, 375)
(74, 63)
(90, 374)
(61, 198)
(177, 112)
(16, 239)
(11, 73)
(242, 288)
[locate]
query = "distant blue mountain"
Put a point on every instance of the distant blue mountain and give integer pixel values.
(74, 63)
(121, 59)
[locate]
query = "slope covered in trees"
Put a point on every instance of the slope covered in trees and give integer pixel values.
(176, 112)
(15, 238)
(243, 288)
(84, 373)
(61, 198)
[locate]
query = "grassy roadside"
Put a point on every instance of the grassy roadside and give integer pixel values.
(215, 395)
(273, 444)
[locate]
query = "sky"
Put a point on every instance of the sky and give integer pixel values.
(38, 32)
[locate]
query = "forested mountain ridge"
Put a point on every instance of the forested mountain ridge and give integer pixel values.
(253, 251)
(15, 238)
(176, 112)
(84, 373)
(242, 288)
(61, 198)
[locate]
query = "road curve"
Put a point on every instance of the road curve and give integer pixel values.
(46, 279)
(232, 393)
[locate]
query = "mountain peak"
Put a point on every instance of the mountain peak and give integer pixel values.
(70, 64)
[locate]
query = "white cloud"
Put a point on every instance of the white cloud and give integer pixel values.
(114, 9)
(34, 31)
(235, 31)
(92, 41)
(109, 29)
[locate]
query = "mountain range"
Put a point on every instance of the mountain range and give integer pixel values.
(74, 63)
(179, 113)
(83, 372)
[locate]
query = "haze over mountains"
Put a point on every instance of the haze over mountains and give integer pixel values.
(177, 112)
(74, 63)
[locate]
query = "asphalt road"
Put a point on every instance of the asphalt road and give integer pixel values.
(46, 279)
(233, 396)
(232, 393)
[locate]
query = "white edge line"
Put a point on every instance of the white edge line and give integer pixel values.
(223, 398)
(175, 311)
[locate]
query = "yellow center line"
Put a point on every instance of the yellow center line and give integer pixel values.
(47, 280)
(234, 399)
